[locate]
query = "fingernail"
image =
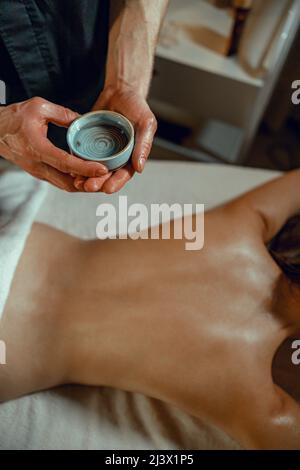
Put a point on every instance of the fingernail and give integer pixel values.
(101, 172)
(142, 161)
(109, 190)
(94, 187)
(79, 185)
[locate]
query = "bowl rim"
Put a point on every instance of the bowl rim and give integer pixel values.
(115, 155)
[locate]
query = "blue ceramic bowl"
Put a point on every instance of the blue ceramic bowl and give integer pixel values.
(102, 136)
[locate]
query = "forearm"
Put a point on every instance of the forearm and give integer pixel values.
(135, 26)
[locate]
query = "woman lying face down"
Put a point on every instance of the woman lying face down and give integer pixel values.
(199, 330)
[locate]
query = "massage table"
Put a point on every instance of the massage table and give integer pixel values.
(78, 417)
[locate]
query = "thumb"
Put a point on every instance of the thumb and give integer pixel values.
(58, 115)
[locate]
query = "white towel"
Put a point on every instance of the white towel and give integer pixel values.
(20, 198)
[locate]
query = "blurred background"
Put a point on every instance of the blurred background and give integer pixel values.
(222, 84)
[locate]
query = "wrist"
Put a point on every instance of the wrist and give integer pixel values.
(120, 86)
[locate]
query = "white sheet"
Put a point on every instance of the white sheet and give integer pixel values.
(102, 418)
(20, 198)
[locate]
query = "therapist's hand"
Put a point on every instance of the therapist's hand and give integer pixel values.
(134, 106)
(23, 141)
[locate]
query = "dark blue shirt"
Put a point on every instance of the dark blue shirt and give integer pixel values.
(55, 49)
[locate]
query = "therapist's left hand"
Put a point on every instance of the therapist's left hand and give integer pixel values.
(134, 106)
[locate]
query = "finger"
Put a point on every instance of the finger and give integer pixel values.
(143, 143)
(93, 185)
(79, 183)
(118, 179)
(60, 180)
(67, 163)
(57, 114)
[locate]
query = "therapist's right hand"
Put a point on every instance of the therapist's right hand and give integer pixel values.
(23, 141)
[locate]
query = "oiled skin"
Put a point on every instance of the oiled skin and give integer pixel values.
(196, 329)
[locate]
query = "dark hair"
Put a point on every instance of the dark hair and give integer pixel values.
(285, 249)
